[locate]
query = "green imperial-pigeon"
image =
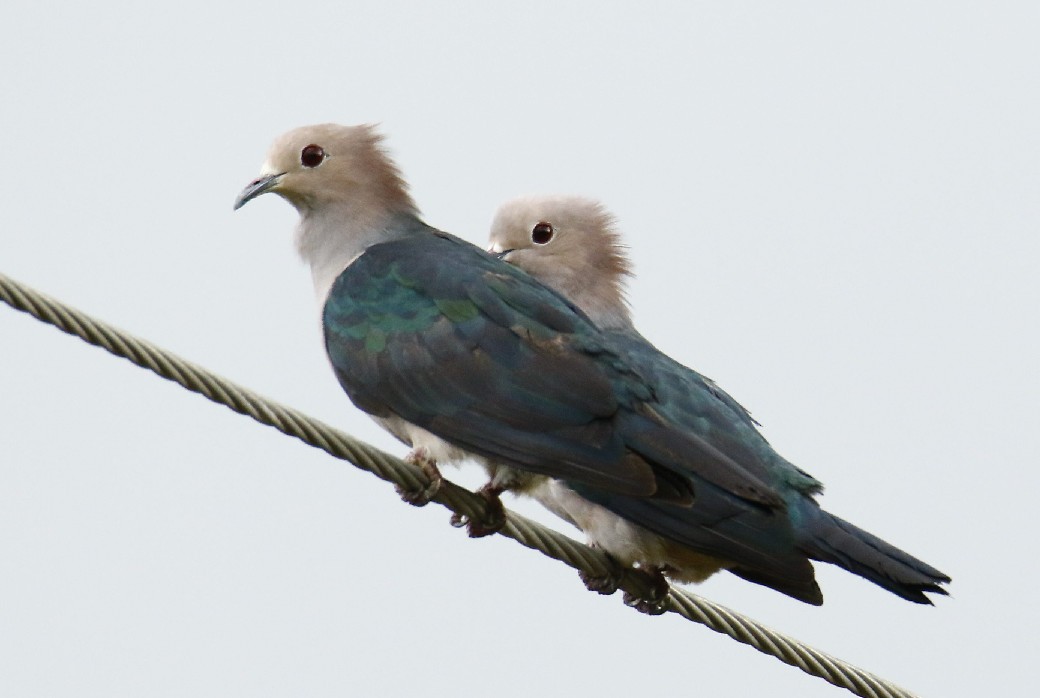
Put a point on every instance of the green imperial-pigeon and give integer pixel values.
(459, 354)
(570, 243)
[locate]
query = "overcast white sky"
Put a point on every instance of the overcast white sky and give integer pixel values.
(833, 211)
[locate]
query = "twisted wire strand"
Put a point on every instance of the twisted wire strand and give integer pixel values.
(458, 499)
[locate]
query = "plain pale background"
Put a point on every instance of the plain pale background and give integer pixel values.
(832, 211)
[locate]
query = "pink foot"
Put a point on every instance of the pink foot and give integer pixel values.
(494, 517)
(422, 496)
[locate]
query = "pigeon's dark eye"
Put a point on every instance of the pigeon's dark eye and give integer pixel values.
(312, 155)
(541, 234)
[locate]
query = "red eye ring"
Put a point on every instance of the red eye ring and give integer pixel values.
(312, 155)
(542, 233)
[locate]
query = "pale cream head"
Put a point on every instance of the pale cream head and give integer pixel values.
(345, 187)
(316, 166)
(570, 244)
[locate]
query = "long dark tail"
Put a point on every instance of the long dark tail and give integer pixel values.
(825, 537)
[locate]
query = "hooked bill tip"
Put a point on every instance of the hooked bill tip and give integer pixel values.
(260, 185)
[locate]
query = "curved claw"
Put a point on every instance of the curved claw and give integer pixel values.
(422, 496)
(494, 517)
(657, 602)
(650, 608)
(605, 584)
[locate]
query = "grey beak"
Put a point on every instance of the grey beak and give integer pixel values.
(260, 185)
(502, 254)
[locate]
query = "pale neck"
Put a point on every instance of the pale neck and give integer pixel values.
(606, 308)
(328, 242)
(608, 314)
